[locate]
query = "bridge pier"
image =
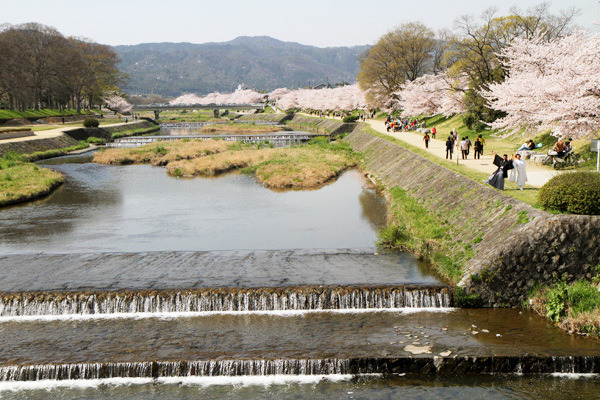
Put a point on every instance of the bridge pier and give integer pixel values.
(156, 115)
(216, 113)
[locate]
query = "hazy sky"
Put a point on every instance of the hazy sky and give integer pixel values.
(320, 23)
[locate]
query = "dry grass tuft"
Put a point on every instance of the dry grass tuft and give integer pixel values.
(161, 153)
(303, 167)
(583, 322)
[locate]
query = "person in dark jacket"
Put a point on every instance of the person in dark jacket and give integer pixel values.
(449, 146)
(497, 178)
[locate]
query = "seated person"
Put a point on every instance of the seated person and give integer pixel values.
(558, 149)
(529, 145)
(568, 145)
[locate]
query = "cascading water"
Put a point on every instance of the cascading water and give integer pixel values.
(224, 299)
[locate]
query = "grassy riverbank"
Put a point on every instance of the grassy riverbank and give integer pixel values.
(573, 307)
(22, 181)
(411, 227)
(302, 167)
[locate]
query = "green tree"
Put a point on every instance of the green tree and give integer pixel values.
(400, 55)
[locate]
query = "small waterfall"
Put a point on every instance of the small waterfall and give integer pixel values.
(75, 371)
(174, 369)
(223, 299)
(329, 366)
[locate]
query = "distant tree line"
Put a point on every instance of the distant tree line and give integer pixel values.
(469, 52)
(40, 68)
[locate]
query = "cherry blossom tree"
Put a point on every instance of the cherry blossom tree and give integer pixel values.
(240, 96)
(551, 85)
(343, 98)
(432, 95)
(118, 104)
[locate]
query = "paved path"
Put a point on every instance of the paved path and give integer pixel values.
(537, 175)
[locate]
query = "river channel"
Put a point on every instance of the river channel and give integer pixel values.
(128, 283)
(141, 208)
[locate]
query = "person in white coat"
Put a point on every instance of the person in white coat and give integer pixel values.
(518, 173)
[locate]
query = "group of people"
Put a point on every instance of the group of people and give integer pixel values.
(463, 145)
(516, 164)
(398, 124)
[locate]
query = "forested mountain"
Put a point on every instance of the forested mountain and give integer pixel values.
(262, 63)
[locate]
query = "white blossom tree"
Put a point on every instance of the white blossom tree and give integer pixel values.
(551, 85)
(118, 104)
(240, 96)
(432, 95)
(343, 98)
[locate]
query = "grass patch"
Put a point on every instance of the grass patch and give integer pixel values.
(412, 228)
(22, 181)
(574, 307)
(12, 114)
(134, 132)
(42, 155)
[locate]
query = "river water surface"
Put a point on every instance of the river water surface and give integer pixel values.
(141, 208)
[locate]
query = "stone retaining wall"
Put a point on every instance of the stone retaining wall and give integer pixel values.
(515, 245)
(32, 146)
(68, 138)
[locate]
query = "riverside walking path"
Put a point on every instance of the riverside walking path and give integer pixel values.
(537, 175)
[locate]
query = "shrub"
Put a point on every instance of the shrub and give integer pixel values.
(575, 193)
(91, 123)
(350, 118)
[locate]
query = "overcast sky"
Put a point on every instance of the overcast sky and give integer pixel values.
(321, 23)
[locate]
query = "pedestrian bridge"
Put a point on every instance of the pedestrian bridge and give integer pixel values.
(157, 108)
(278, 139)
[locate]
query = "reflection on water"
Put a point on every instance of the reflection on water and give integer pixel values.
(141, 208)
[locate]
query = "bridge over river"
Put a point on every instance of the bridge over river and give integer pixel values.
(157, 108)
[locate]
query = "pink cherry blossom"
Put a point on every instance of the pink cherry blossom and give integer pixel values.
(551, 85)
(118, 104)
(432, 95)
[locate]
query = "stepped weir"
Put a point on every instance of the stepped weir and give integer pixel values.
(107, 319)
(222, 300)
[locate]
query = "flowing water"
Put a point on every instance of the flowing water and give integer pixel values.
(128, 283)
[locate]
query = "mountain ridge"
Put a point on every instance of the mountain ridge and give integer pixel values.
(260, 62)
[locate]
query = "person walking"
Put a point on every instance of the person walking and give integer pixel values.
(426, 139)
(477, 146)
(482, 140)
(464, 148)
(433, 132)
(449, 147)
(469, 144)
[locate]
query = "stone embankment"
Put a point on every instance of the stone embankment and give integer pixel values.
(70, 138)
(300, 122)
(515, 246)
